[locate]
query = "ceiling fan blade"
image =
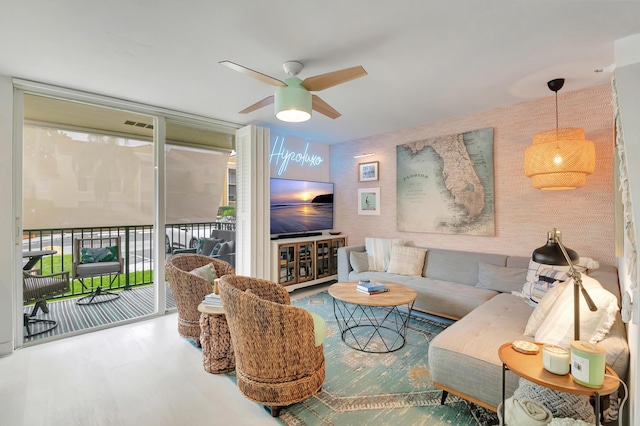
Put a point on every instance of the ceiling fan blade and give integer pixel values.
(330, 79)
(324, 108)
(251, 73)
(266, 101)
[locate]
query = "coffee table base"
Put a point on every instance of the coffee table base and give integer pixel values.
(388, 327)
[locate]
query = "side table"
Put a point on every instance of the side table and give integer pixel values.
(530, 368)
(217, 350)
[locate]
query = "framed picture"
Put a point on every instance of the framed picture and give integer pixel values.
(369, 201)
(368, 171)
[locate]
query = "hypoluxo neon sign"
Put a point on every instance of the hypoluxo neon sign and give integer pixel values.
(284, 156)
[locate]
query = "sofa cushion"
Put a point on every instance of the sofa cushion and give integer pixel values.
(557, 328)
(465, 355)
(406, 260)
(500, 278)
(446, 298)
(458, 266)
(359, 261)
(379, 251)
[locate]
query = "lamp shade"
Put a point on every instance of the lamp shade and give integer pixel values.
(292, 102)
(559, 159)
(551, 253)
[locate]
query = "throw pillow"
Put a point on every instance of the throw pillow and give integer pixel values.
(319, 329)
(544, 307)
(216, 249)
(208, 272)
(541, 278)
(379, 251)
(226, 248)
(98, 254)
(557, 327)
(206, 245)
(500, 278)
(406, 260)
(359, 261)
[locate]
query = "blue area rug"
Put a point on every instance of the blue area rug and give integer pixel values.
(380, 389)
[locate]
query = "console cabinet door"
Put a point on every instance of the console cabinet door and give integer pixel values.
(336, 243)
(287, 264)
(305, 262)
(323, 254)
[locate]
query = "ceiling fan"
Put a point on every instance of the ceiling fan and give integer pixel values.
(293, 100)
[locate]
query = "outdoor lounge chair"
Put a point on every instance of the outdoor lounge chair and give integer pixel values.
(39, 288)
(97, 257)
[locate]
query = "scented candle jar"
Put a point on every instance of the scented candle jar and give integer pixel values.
(555, 359)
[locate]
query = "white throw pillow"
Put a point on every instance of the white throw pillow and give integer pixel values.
(359, 261)
(379, 252)
(544, 307)
(406, 260)
(557, 328)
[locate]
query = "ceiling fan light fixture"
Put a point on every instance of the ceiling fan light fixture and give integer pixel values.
(292, 102)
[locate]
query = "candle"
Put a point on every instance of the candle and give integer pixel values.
(555, 359)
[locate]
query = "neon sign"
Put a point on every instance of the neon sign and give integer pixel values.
(283, 156)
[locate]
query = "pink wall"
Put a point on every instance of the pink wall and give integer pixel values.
(523, 215)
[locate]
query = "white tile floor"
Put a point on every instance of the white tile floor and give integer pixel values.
(135, 374)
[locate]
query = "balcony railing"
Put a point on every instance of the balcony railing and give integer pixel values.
(137, 250)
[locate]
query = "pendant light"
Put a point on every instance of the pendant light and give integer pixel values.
(559, 159)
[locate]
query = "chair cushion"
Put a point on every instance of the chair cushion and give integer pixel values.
(98, 254)
(98, 268)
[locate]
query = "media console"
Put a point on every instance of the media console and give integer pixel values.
(305, 261)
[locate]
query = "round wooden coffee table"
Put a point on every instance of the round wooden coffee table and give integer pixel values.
(372, 323)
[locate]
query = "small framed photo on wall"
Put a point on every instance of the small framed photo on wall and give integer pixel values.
(369, 201)
(368, 171)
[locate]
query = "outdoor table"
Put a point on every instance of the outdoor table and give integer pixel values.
(34, 256)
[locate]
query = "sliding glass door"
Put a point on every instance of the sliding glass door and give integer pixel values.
(92, 171)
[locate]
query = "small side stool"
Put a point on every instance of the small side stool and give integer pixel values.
(217, 350)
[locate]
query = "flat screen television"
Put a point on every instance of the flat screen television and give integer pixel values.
(299, 206)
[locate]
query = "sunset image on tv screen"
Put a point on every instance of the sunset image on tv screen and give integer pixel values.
(300, 206)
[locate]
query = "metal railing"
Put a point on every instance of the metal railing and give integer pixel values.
(137, 250)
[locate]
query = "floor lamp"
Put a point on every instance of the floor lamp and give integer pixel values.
(555, 253)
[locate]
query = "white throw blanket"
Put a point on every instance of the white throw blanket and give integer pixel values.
(526, 412)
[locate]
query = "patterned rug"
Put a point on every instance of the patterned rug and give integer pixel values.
(380, 389)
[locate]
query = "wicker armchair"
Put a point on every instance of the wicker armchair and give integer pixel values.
(189, 289)
(277, 362)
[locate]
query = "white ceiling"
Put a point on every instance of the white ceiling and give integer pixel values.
(427, 60)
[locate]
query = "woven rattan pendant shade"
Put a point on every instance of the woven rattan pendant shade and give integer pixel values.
(559, 159)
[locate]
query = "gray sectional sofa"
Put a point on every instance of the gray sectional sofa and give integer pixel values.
(463, 359)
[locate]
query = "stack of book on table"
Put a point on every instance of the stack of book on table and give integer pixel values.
(212, 300)
(371, 287)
